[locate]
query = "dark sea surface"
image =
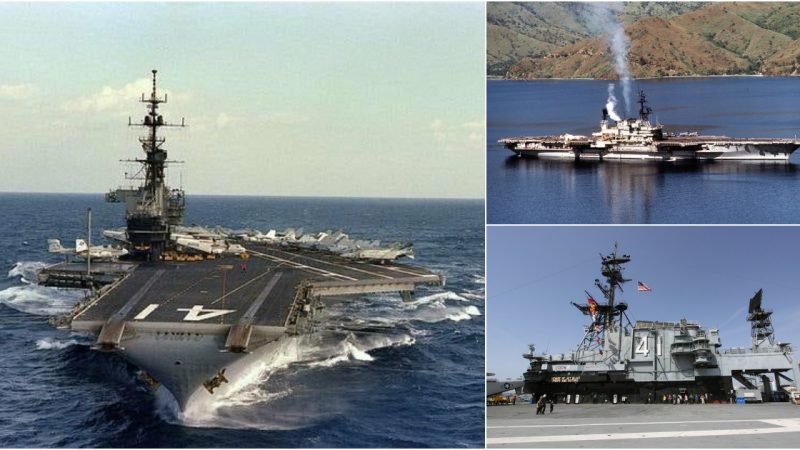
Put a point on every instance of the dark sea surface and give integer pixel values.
(420, 384)
(521, 190)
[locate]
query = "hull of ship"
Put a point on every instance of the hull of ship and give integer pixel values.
(751, 152)
(182, 361)
(743, 152)
(603, 387)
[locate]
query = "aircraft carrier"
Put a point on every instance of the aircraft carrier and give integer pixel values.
(618, 361)
(639, 139)
(193, 307)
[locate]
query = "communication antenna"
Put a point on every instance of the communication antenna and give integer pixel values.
(89, 242)
(760, 321)
(609, 314)
(644, 110)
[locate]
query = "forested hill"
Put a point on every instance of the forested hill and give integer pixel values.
(565, 40)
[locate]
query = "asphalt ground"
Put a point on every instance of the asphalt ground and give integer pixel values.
(768, 425)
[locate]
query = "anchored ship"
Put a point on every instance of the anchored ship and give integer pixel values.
(193, 307)
(639, 139)
(645, 361)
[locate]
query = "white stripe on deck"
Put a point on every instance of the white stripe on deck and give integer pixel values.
(416, 274)
(780, 426)
(301, 266)
(346, 267)
(146, 312)
(601, 424)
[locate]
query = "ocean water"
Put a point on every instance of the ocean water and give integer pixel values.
(418, 384)
(521, 190)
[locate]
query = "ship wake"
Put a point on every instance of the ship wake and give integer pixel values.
(259, 396)
(274, 392)
(28, 297)
(391, 311)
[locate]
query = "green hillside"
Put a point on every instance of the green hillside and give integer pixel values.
(667, 39)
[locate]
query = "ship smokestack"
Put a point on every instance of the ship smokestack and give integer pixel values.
(605, 114)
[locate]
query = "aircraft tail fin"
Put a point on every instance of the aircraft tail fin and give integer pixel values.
(54, 246)
(80, 246)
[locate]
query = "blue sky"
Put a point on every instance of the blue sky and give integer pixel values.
(324, 99)
(705, 274)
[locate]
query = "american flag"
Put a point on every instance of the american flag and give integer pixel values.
(643, 287)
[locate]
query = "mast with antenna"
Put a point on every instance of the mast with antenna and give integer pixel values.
(608, 315)
(157, 208)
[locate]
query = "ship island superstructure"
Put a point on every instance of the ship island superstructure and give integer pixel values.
(193, 307)
(647, 361)
(639, 139)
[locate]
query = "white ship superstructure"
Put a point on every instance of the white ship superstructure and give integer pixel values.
(639, 139)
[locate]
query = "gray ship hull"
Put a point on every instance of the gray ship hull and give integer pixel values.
(182, 360)
(670, 150)
(656, 359)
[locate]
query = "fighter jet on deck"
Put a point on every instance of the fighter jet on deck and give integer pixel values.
(82, 250)
(391, 253)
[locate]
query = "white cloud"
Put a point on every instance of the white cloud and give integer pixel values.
(474, 130)
(17, 91)
(110, 99)
(444, 133)
(282, 119)
(227, 120)
(439, 130)
(224, 119)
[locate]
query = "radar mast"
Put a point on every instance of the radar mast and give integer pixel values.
(608, 315)
(644, 110)
(152, 209)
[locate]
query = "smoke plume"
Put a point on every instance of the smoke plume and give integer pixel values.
(619, 44)
(611, 103)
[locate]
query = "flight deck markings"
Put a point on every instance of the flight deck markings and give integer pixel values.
(397, 269)
(298, 265)
(196, 313)
(603, 424)
(779, 426)
(138, 295)
(344, 267)
(250, 314)
(146, 311)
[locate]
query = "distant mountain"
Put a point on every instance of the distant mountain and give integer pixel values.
(561, 40)
(519, 30)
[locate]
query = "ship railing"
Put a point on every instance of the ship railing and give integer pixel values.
(735, 351)
(679, 348)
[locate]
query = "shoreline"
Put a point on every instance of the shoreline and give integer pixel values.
(499, 78)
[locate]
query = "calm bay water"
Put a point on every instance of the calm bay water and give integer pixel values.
(521, 190)
(419, 384)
